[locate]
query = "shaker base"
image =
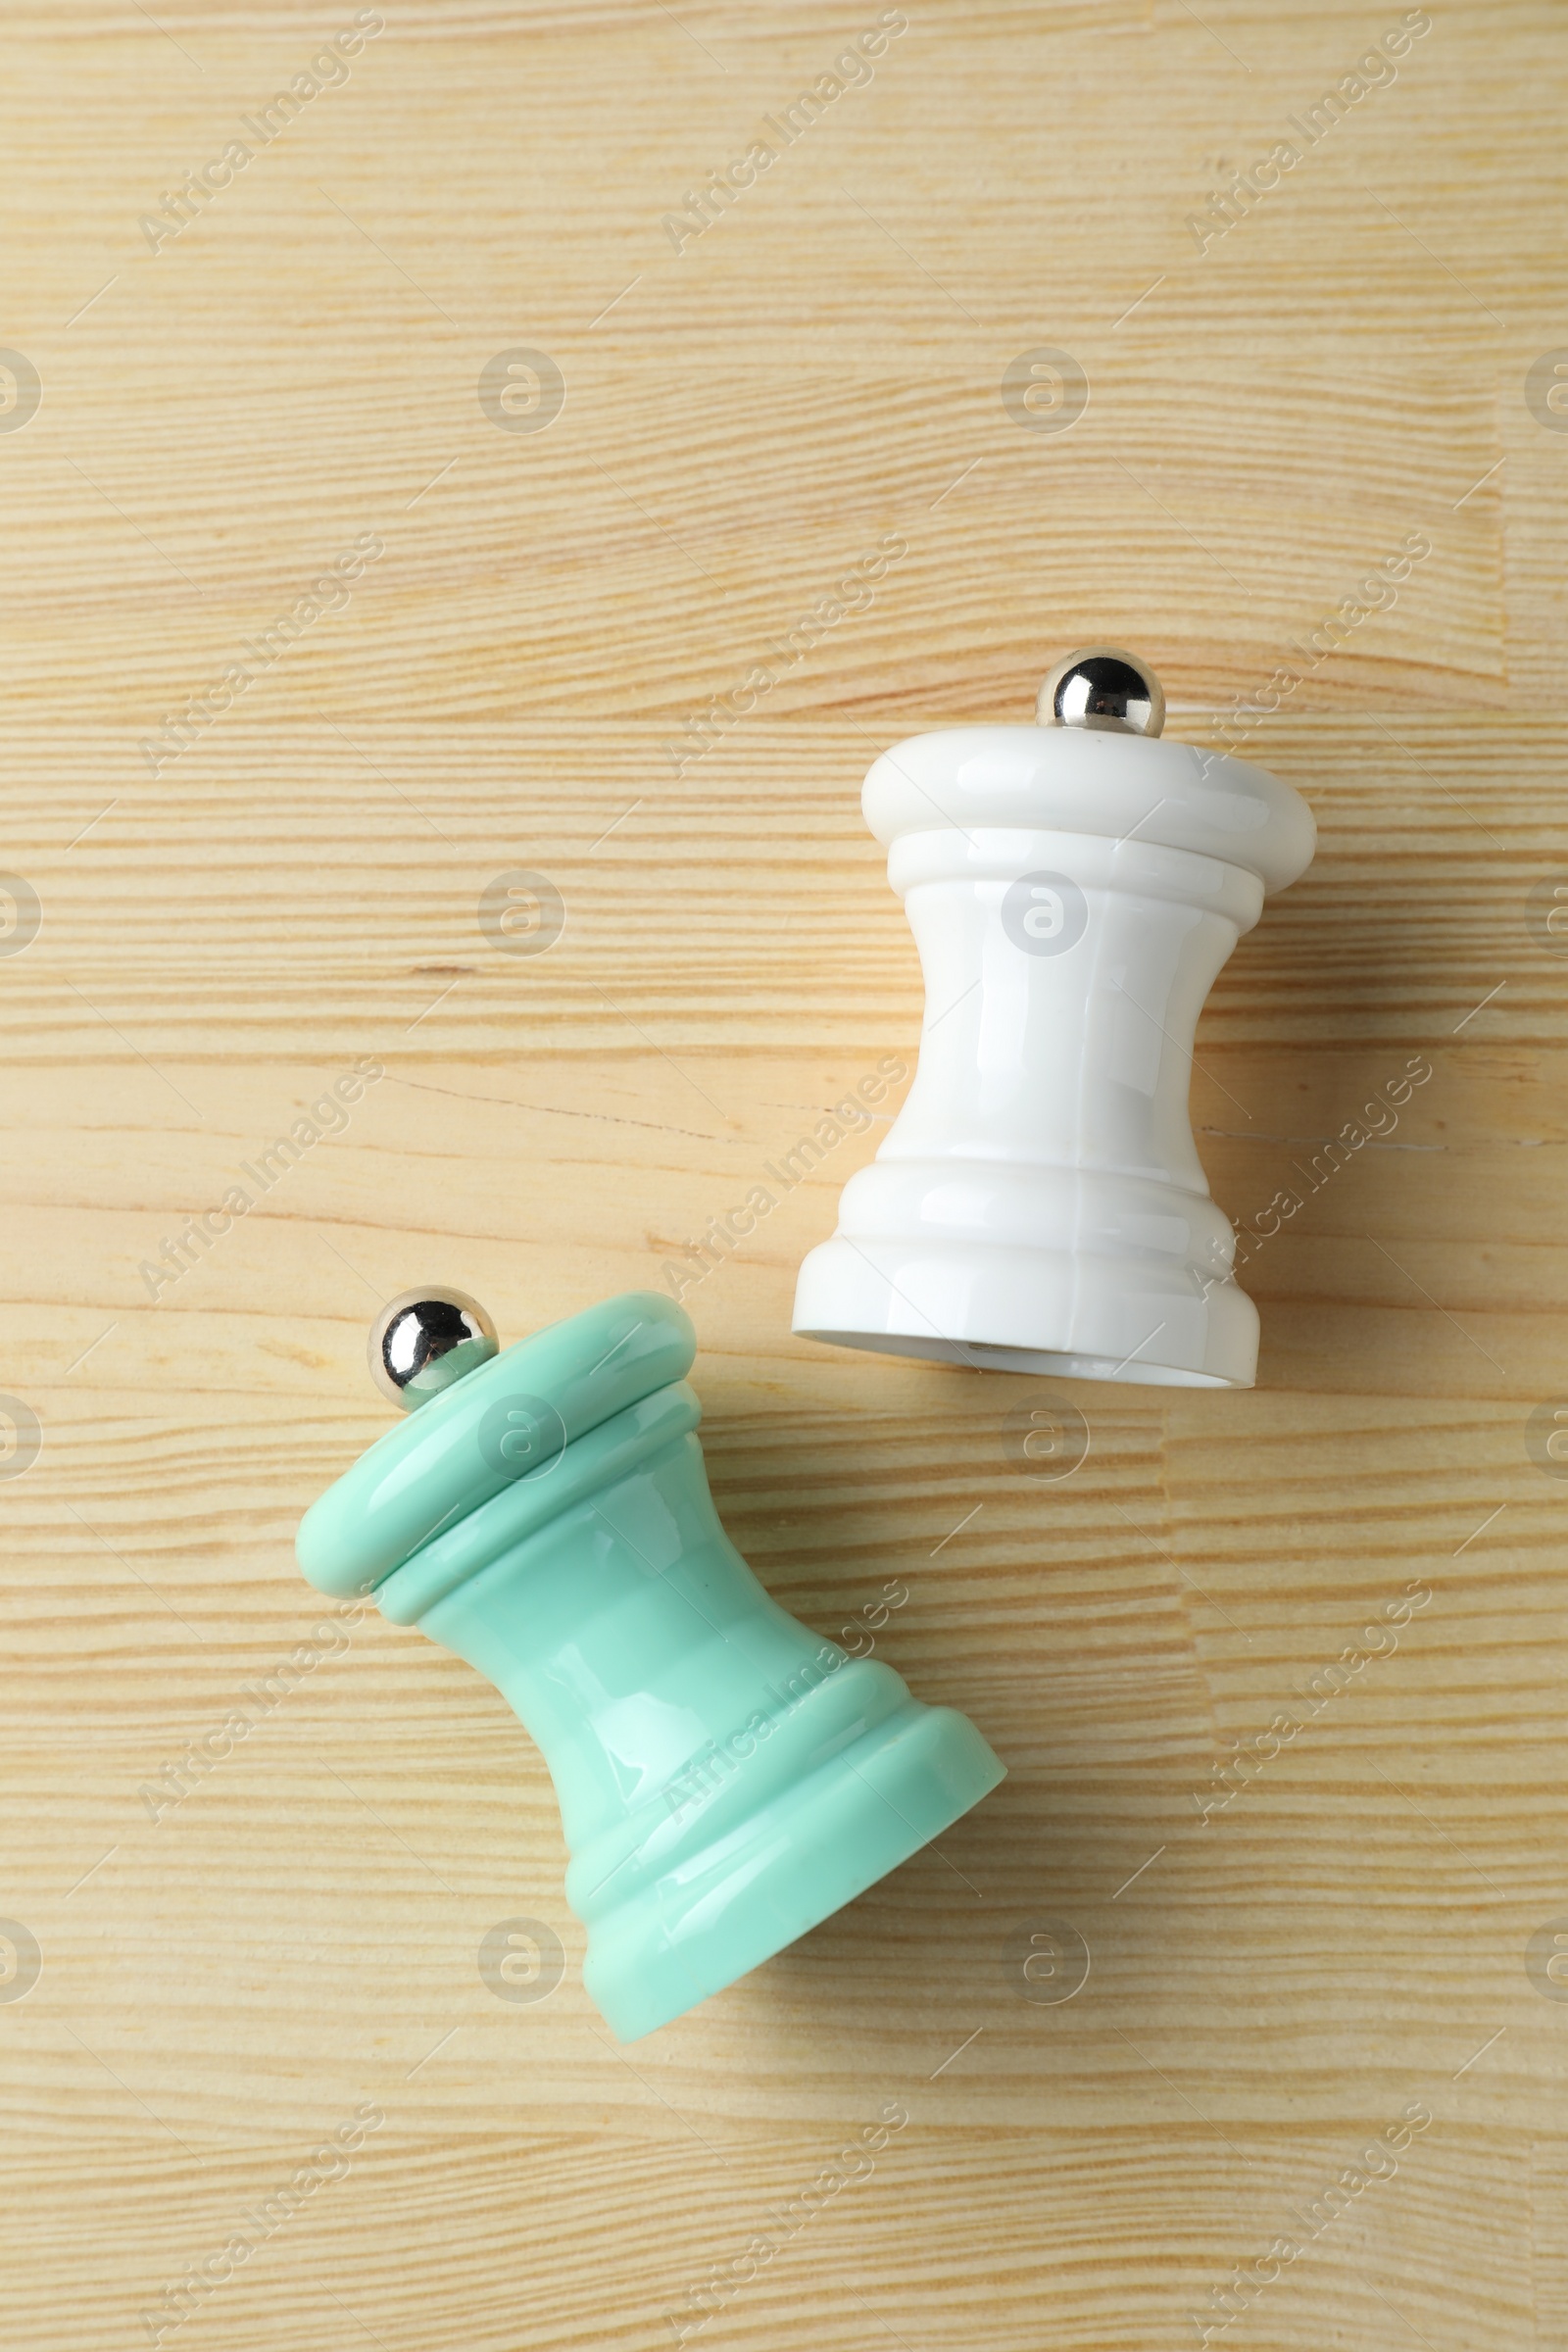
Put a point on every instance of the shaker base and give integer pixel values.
(812, 1848)
(1030, 1312)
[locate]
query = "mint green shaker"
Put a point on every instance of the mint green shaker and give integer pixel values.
(726, 1778)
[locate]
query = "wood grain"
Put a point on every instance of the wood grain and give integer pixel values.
(1282, 1963)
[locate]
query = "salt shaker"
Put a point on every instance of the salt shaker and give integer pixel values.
(726, 1778)
(1074, 888)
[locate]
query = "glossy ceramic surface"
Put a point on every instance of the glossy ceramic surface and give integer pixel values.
(726, 1778)
(1039, 1205)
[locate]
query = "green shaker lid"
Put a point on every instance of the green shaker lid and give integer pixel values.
(488, 1429)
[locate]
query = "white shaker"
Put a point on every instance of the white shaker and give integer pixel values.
(1074, 888)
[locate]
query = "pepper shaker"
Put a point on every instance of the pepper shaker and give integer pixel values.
(1074, 888)
(727, 1780)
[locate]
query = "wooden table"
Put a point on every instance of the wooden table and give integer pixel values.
(290, 884)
